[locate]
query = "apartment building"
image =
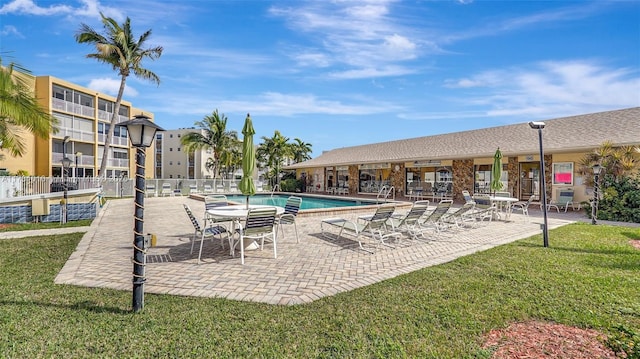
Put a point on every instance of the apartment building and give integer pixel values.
(84, 118)
(172, 161)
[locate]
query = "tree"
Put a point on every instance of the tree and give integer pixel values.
(231, 157)
(19, 110)
(300, 151)
(118, 48)
(213, 135)
(273, 151)
(616, 162)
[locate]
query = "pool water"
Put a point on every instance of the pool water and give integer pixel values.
(307, 202)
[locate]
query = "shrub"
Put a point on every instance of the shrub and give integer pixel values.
(290, 185)
(619, 201)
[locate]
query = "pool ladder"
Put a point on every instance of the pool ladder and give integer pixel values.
(275, 187)
(385, 192)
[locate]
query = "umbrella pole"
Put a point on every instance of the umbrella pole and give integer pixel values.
(247, 202)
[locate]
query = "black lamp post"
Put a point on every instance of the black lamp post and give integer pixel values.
(66, 163)
(545, 229)
(594, 204)
(141, 133)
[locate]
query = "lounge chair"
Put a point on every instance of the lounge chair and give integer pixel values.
(166, 189)
(193, 189)
(433, 220)
(207, 189)
(409, 223)
(484, 208)
(375, 228)
(461, 216)
(467, 197)
(150, 190)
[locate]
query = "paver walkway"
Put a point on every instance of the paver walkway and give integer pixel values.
(304, 272)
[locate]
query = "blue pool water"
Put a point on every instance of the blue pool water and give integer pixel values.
(307, 202)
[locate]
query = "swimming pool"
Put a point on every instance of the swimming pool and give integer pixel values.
(308, 202)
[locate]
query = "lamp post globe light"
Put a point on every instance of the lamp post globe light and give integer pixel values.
(594, 204)
(536, 125)
(141, 133)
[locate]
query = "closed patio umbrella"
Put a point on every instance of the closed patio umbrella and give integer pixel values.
(247, 187)
(496, 171)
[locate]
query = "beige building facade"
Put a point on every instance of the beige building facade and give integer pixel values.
(84, 117)
(445, 165)
(176, 163)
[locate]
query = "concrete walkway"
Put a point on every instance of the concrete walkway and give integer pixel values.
(304, 272)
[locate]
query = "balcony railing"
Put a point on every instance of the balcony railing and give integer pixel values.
(120, 141)
(71, 107)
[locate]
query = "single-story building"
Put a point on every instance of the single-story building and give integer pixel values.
(445, 165)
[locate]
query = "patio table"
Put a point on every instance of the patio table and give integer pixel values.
(506, 201)
(238, 212)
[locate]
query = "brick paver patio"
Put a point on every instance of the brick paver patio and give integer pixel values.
(304, 272)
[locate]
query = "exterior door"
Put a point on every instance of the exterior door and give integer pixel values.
(529, 180)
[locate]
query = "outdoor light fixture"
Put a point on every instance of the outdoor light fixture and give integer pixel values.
(594, 204)
(66, 163)
(545, 229)
(141, 133)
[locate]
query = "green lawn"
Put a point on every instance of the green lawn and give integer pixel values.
(47, 225)
(589, 277)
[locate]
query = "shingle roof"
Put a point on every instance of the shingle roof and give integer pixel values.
(567, 134)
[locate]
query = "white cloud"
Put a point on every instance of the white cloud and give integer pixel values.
(553, 88)
(8, 30)
(364, 37)
(111, 87)
(28, 7)
(273, 104)
(89, 8)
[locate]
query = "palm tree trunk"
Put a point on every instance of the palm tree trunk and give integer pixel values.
(114, 118)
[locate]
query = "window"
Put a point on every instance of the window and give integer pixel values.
(170, 149)
(170, 135)
(563, 173)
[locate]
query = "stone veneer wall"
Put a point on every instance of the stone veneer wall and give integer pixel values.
(354, 177)
(548, 165)
(462, 177)
(513, 169)
(397, 178)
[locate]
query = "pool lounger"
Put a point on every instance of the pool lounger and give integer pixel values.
(375, 228)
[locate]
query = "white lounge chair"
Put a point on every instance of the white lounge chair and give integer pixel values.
(150, 190)
(375, 227)
(166, 190)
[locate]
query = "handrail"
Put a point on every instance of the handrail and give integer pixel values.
(276, 186)
(386, 191)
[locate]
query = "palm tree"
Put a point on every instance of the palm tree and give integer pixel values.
(118, 48)
(616, 161)
(300, 151)
(212, 134)
(19, 110)
(231, 157)
(273, 151)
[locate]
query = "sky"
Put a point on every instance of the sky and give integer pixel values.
(339, 73)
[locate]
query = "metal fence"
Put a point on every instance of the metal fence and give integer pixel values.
(16, 186)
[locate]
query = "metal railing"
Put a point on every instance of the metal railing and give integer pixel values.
(17, 186)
